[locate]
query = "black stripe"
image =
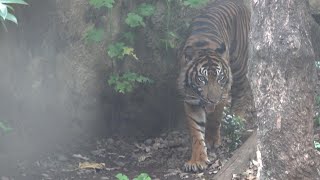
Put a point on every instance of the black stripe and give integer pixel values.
(200, 22)
(201, 124)
(198, 130)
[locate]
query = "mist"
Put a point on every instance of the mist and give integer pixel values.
(49, 94)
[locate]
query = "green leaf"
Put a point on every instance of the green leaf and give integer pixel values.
(127, 82)
(134, 20)
(94, 35)
(121, 176)
(5, 128)
(119, 50)
(129, 51)
(194, 3)
(316, 144)
(13, 2)
(145, 9)
(318, 100)
(143, 176)
(3, 11)
(102, 3)
(12, 18)
(115, 50)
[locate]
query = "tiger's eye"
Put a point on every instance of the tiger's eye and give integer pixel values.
(201, 78)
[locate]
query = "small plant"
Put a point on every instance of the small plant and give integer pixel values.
(135, 18)
(121, 176)
(317, 116)
(145, 10)
(318, 100)
(119, 50)
(4, 128)
(316, 145)
(127, 82)
(94, 35)
(194, 3)
(4, 11)
(102, 3)
(317, 120)
(233, 127)
(142, 176)
(317, 64)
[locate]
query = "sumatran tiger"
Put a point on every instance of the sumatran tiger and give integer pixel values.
(213, 62)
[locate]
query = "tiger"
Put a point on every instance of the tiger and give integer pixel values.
(213, 67)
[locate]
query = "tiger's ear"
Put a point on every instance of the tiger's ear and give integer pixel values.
(188, 53)
(221, 49)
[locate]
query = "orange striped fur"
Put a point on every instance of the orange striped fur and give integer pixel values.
(213, 64)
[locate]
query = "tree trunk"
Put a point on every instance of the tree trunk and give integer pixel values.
(282, 72)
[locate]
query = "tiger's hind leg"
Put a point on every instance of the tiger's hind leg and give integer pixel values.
(213, 126)
(196, 119)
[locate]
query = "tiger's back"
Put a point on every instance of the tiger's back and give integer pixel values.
(213, 65)
(228, 23)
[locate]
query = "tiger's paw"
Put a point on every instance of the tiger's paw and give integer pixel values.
(196, 166)
(213, 143)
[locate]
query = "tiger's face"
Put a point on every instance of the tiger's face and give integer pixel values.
(205, 78)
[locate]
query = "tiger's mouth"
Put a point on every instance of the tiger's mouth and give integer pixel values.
(199, 101)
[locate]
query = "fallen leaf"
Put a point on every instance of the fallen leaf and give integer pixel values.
(88, 165)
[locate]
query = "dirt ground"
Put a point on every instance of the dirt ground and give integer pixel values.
(160, 157)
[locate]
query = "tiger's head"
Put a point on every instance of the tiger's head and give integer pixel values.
(205, 76)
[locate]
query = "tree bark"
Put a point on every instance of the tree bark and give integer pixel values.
(238, 163)
(282, 73)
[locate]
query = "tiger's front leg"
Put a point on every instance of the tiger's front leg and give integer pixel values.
(196, 119)
(213, 125)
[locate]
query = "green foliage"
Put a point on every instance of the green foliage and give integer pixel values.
(102, 3)
(94, 35)
(194, 3)
(121, 176)
(5, 7)
(145, 10)
(171, 40)
(233, 127)
(142, 176)
(317, 120)
(127, 82)
(134, 20)
(4, 128)
(115, 50)
(316, 145)
(317, 64)
(119, 50)
(317, 117)
(318, 100)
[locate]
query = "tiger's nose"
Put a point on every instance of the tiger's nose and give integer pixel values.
(213, 99)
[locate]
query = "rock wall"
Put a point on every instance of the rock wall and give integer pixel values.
(53, 86)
